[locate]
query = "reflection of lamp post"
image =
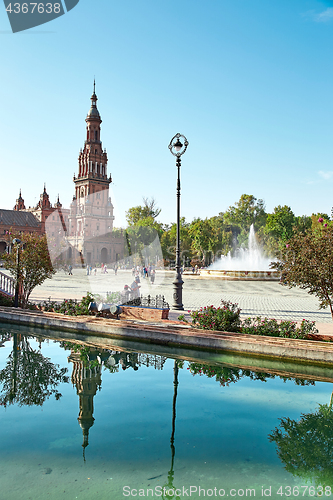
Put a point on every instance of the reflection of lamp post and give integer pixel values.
(178, 149)
(17, 242)
(169, 484)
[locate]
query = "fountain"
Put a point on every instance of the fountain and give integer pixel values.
(247, 264)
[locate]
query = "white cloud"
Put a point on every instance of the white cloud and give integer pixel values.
(324, 16)
(326, 175)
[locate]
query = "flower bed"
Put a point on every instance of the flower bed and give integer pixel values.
(227, 319)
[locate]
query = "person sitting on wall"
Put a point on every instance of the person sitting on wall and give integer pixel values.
(124, 295)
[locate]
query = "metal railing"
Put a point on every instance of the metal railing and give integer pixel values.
(157, 302)
(7, 285)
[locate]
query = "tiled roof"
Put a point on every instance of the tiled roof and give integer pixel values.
(18, 218)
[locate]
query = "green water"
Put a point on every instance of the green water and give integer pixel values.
(149, 427)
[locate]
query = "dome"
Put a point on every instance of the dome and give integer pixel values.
(93, 112)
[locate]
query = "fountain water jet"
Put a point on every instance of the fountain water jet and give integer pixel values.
(248, 264)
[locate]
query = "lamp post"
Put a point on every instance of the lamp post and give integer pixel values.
(17, 242)
(177, 148)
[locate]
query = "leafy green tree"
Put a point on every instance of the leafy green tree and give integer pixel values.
(168, 241)
(307, 261)
(34, 266)
(221, 241)
(201, 234)
(318, 219)
(146, 211)
(210, 238)
(247, 211)
(280, 223)
(303, 223)
(305, 446)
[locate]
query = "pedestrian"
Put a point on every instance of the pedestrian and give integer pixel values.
(135, 288)
(152, 276)
(115, 270)
(70, 270)
(87, 270)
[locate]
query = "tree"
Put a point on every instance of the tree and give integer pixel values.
(35, 265)
(280, 223)
(318, 219)
(201, 234)
(307, 262)
(168, 241)
(148, 210)
(247, 211)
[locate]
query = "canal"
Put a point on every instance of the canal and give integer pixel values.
(88, 417)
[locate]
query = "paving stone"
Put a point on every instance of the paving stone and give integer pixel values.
(254, 298)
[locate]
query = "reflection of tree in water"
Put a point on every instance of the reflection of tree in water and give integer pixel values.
(306, 446)
(226, 375)
(29, 378)
(4, 337)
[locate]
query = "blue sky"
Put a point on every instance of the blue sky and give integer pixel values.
(248, 82)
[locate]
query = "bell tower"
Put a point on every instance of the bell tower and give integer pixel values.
(91, 212)
(92, 177)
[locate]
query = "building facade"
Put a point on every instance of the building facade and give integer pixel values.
(85, 230)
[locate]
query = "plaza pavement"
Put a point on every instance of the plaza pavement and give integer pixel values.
(253, 297)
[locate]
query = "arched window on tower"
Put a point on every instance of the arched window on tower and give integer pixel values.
(96, 135)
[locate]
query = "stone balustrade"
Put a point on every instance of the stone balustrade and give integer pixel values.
(7, 285)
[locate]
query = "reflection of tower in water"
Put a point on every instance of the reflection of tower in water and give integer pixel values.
(87, 380)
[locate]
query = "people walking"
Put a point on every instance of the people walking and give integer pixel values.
(152, 276)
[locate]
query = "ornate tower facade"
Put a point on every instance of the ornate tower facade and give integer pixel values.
(19, 203)
(92, 177)
(91, 212)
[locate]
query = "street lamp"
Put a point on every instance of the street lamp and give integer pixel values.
(177, 148)
(17, 242)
